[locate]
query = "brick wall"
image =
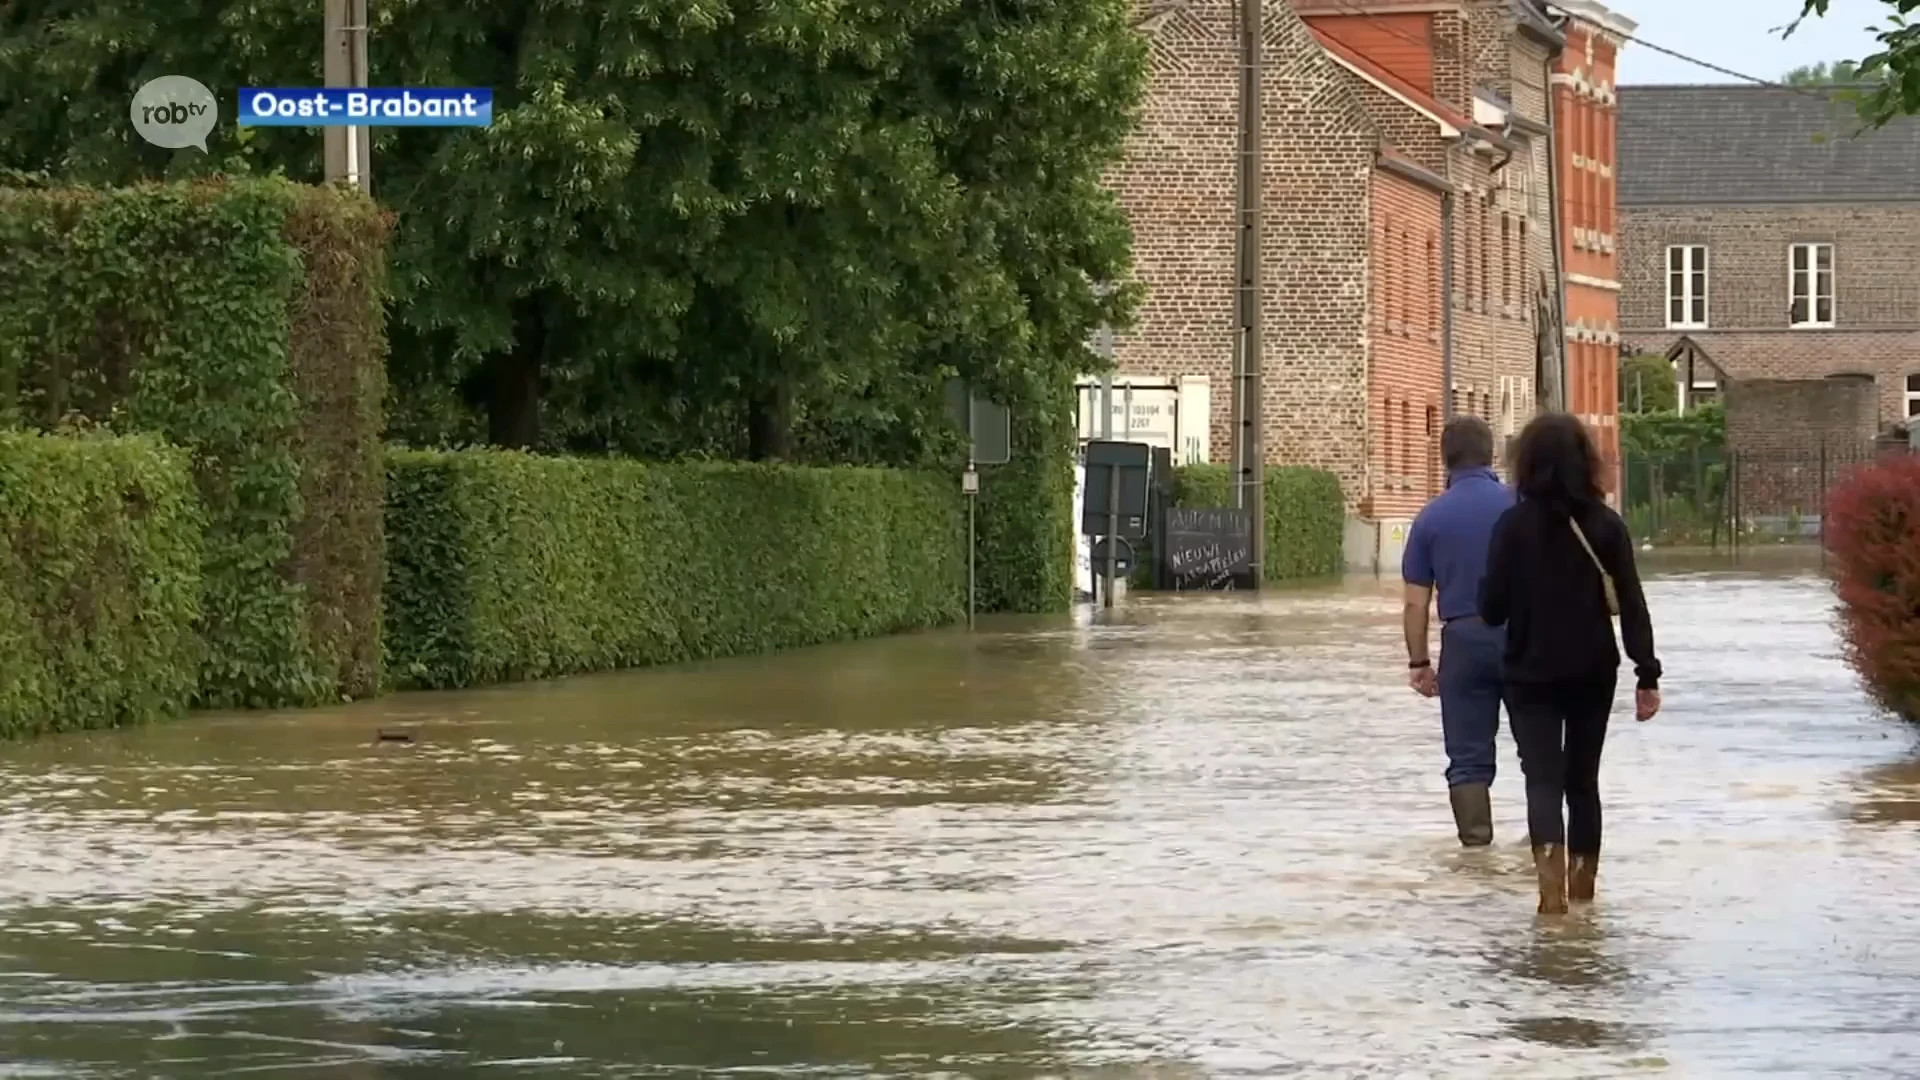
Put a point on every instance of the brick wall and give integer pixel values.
(1876, 290)
(1404, 390)
(1178, 186)
(1785, 432)
(1452, 73)
(1490, 37)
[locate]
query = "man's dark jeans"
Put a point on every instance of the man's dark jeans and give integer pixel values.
(1470, 692)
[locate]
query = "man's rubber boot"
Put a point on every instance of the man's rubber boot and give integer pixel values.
(1472, 813)
(1550, 863)
(1582, 870)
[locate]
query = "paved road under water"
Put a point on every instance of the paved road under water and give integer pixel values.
(1204, 837)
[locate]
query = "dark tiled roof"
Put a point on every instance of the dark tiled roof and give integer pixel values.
(1758, 144)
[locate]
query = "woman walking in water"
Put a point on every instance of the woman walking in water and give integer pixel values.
(1559, 569)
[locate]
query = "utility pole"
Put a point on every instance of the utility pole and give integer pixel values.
(1249, 449)
(346, 150)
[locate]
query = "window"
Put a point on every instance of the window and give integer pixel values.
(1486, 263)
(1526, 264)
(1406, 444)
(1433, 455)
(1403, 276)
(1812, 285)
(1466, 249)
(1687, 287)
(1913, 396)
(1506, 261)
(1434, 299)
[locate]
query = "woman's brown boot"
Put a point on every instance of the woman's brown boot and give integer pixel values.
(1550, 863)
(1581, 872)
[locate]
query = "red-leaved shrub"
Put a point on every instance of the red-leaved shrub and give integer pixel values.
(1873, 535)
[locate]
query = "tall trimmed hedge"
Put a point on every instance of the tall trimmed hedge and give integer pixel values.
(1306, 515)
(505, 566)
(242, 321)
(1025, 528)
(99, 582)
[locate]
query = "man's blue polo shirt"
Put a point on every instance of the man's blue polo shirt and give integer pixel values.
(1447, 546)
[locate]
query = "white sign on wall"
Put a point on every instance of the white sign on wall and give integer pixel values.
(1162, 412)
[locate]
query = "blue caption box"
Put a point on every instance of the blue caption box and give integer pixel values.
(377, 106)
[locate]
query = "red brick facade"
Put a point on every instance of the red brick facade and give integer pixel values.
(1586, 115)
(1404, 386)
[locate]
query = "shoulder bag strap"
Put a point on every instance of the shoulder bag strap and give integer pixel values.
(1606, 579)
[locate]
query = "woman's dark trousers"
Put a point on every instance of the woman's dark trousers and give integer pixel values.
(1560, 728)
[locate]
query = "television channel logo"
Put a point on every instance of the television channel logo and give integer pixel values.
(175, 112)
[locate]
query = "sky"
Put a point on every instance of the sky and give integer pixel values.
(1741, 35)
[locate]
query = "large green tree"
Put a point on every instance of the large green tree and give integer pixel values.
(1894, 69)
(696, 226)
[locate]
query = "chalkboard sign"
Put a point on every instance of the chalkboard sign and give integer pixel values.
(1207, 549)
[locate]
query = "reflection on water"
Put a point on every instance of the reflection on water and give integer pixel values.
(1197, 836)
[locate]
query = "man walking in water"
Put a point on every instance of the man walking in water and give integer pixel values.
(1447, 552)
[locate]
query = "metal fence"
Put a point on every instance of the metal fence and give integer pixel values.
(1719, 498)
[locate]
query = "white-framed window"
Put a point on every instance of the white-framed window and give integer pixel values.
(1913, 396)
(1687, 286)
(1810, 272)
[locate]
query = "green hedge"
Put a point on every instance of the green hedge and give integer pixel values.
(505, 566)
(99, 582)
(241, 321)
(1306, 515)
(1026, 532)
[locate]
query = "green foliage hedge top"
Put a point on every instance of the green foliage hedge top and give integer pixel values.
(99, 582)
(1702, 429)
(242, 322)
(506, 566)
(677, 198)
(1306, 515)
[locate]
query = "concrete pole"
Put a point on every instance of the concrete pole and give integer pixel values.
(1103, 344)
(347, 151)
(1249, 436)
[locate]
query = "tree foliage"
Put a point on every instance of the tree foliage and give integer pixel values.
(1840, 72)
(696, 227)
(1648, 385)
(1666, 435)
(1894, 69)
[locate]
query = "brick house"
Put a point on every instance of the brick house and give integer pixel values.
(1407, 152)
(1178, 182)
(1770, 250)
(1464, 91)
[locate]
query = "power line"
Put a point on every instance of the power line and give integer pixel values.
(1828, 95)
(1741, 150)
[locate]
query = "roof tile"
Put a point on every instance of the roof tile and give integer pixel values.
(1707, 145)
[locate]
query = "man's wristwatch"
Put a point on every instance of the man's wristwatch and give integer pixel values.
(1416, 665)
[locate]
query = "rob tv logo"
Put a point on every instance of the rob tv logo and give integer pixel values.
(175, 112)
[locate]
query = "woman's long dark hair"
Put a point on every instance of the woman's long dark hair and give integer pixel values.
(1556, 463)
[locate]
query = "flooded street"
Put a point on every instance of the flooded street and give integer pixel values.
(1205, 836)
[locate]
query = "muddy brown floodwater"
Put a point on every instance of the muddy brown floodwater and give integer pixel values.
(1206, 836)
